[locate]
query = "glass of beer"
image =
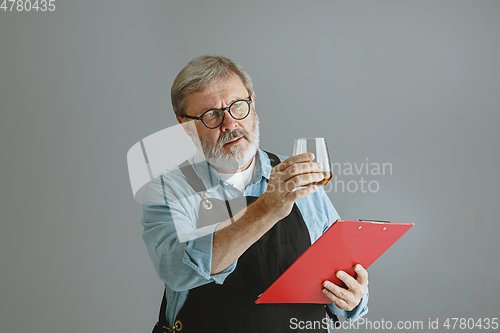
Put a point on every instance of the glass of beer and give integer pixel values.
(318, 147)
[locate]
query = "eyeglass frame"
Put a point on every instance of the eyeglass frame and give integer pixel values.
(248, 101)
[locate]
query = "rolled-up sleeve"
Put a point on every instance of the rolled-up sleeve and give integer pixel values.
(182, 265)
(198, 256)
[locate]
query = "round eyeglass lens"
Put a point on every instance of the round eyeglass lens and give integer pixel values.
(239, 109)
(213, 118)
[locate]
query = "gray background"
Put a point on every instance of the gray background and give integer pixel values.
(412, 83)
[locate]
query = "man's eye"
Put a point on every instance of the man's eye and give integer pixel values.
(237, 105)
(211, 114)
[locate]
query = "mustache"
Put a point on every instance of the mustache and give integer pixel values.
(232, 135)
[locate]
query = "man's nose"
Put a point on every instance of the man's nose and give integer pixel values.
(229, 122)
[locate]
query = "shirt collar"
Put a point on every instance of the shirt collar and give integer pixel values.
(211, 178)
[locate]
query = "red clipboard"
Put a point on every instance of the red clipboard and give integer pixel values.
(343, 245)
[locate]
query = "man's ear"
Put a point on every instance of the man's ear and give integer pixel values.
(185, 124)
(253, 99)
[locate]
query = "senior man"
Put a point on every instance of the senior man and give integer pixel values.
(214, 268)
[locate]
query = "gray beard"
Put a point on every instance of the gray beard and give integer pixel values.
(237, 156)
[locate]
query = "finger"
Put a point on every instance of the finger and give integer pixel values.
(340, 303)
(301, 193)
(362, 275)
(339, 292)
(343, 298)
(305, 157)
(348, 280)
(358, 290)
(302, 180)
(302, 168)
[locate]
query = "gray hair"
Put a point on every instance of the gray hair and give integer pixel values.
(200, 73)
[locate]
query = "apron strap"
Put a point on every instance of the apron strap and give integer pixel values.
(274, 159)
(192, 178)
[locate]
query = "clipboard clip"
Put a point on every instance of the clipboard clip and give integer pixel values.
(375, 221)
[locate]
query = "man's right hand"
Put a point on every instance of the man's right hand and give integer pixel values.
(234, 236)
(286, 177)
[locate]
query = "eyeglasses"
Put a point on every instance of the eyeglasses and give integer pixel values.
(213, 118)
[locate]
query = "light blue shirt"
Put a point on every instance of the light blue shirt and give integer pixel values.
(182, 253)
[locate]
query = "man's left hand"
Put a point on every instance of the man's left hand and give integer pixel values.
(348, 299)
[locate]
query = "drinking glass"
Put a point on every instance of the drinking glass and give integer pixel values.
(318, 147)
